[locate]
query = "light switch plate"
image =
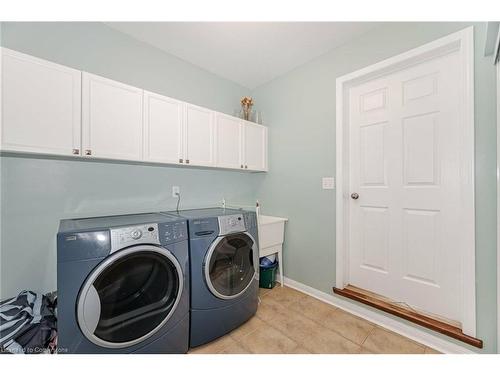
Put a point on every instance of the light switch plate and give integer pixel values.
(328, 183)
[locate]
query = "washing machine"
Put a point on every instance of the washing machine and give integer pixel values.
(224, 269)
(123, 285)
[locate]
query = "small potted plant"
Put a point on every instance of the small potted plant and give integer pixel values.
(246, 105)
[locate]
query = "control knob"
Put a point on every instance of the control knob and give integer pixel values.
(136, 234)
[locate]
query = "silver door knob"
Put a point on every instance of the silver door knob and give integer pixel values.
(354, 195)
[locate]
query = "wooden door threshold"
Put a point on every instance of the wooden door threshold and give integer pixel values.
(408, 314)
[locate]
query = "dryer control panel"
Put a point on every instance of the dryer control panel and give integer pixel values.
(136, 235)
(231, 224)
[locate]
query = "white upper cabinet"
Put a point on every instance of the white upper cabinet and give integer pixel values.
(199, 136)
(41, 103)
(255, 146)
(163, 129)
(229, 141)
(111, 119)
(48, 108)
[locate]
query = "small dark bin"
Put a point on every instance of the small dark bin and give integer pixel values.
(267, 277)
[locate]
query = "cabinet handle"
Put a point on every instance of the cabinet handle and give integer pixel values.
(187, 161)
(181, 161)
(76, 151)
(88, 152)
(246, 166)
(241, 165)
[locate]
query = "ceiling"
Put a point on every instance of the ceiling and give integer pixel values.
(248, 53)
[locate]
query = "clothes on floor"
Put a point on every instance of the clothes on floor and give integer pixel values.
(28, 323)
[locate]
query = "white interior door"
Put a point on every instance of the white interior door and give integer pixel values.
(163, 124)
(111, 119)
(255, 145)
(405, 152)
(199, 136)
(41, 105)
(229, 142)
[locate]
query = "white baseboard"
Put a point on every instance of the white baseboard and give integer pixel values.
(403, 329)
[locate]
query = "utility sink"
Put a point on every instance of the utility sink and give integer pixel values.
(271, 238)
(271, 232)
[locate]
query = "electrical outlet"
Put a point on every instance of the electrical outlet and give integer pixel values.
(176, 191)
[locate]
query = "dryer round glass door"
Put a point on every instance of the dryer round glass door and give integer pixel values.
(229, 265)
(129, 296)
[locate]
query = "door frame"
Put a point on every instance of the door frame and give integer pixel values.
(462, 42)
(498, 193)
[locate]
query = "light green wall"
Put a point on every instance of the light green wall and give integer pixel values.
(37, 192)
(300, 110)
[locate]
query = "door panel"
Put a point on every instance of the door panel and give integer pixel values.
(373, 161)
(404, 164)
(199, 140)
(420, 87)
(373, 100)
(420, 166)
(255, 143)
(375, 231)
(163, 125)
(229, 142)
(41, 105)
(112, 119)
(421, 244)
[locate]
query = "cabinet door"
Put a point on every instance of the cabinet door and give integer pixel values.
(228, 142)
(255, 144)
(111, 119)
(163, 124)
(41, 104)
(199, 136)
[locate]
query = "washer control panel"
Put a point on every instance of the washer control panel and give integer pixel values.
(128, 236)
(231, 224)
(173, 232)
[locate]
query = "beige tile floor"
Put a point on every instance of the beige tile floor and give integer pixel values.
(290, 322)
